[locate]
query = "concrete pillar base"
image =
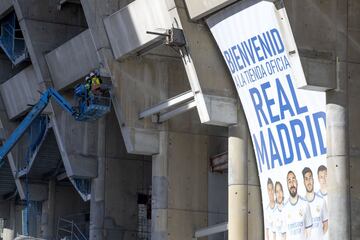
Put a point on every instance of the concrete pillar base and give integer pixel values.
(238, 212)
(8, 234)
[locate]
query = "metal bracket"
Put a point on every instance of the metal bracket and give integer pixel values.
(279, 4)
(174, 37)
(162, 117)
(170, 107)
(204, 232)
(62, 2)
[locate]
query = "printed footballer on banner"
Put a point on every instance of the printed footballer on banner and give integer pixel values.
(305, 217)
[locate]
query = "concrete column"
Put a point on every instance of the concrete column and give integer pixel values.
(9, 232)
(48, 214)
(337, 131)
(238, 179)
(338, 172)
(255, 211)
(13, 215)
(97, 201)
(180, 186)
(160, 191)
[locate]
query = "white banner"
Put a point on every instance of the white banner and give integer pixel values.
(287, 124)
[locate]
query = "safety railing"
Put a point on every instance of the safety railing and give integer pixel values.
(69, 230)
(30, 214)
(83, 187)
(12, 40)
(94, 107)
(33, 138)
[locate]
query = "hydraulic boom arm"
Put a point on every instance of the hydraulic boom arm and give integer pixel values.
(31, 116)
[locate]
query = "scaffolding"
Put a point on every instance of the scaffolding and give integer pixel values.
(83, 186)
(31, 214)
(74, 227)
(34, 135)
(11, 39)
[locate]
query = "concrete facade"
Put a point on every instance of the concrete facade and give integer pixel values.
(62, 61)
(18, 92)
(124, 157)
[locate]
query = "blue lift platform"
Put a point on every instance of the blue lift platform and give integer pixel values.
(90, 108)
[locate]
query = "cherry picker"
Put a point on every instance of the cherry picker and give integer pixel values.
(89, 107)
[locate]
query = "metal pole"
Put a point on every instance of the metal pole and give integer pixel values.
(238, 179)
(72, 229)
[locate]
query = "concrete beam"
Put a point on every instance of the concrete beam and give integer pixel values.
(37, 192)
(207, 74)
(5, 7)
(6, 68)
(72, 60)
(79, 153)
(49, 29)
(320, 69)
(215, 100)
(126, 28)
(46, 11)
(137, 140)
(19, 91)
(320, 74)
(202, 8)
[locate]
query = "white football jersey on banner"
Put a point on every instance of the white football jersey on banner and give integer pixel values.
(319, 215)
(324, 196)
(279, 224)
(269, 220)
(298, 218)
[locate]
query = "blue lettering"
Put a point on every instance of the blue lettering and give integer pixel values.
(261, 153)
(299, 139)
(283, 128)
(313, 145)
(277, 40)
(258, 105)
(271, 43)
(265, 46)
(256, 48)
(229, 62)
(269, 102)
(243, 55)
(299, 109)
(238, 66)
(274, 152)
(284, 102)
(249, 50)
(287, 64)
(317, 116)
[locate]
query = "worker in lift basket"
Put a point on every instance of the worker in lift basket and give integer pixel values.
(88, 84)
(95, 83)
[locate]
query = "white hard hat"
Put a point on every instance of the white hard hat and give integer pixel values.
(87, 78)
(92, 74)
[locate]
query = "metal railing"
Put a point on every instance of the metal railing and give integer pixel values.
(83, 185)
(32, 141)
(69, 230)
(11, 39)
